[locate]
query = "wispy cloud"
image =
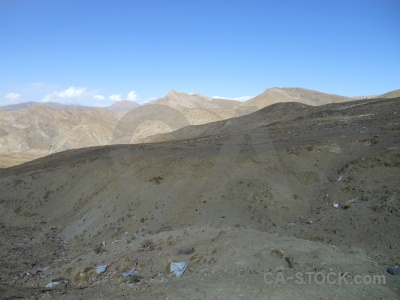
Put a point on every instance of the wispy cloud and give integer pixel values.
(241, 99)
(98, 97)
(71, 93)
(115, 97)
(132, 96)
(12, 96)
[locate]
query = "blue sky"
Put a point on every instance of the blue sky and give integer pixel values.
(95, 52)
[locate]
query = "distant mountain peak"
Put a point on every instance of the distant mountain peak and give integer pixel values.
(173, 92)
(123, 105)
(54, 105)
(181, 100)
(293, 94)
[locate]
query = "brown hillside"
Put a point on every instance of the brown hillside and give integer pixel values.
(392, 94)
(309, 97)
(180, 101)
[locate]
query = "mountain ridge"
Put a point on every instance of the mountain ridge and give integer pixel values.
(182, 100)
(36, 131)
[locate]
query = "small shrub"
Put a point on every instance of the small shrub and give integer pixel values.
(146, 243)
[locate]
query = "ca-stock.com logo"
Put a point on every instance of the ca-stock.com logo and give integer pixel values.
(330, 278)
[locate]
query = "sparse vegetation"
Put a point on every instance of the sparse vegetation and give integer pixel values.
(147, 243)
(277, 253)
(81, 275)
(156, 180)
(320, 239)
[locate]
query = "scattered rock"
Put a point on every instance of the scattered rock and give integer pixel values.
(53, 284)
(279, 269)
(135, 278)
(187, 251)
(178, 268)
(130, 272)
(101, 269)
(290, 262)
(393, 270)
(164, 228)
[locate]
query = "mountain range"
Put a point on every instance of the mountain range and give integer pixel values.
(288, 189)
(34, 129)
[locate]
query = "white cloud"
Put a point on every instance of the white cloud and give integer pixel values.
(241, 99)
(115, 97)
(132, 96)
(71, 93)
(12, 96)
(98, 97)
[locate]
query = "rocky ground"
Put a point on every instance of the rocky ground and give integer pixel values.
(250, 205)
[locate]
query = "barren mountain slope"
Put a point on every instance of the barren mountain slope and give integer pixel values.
(392, 94)
(122, 106)
(39, 131)
(53, 130)
(275, 113)
(156, 119)
(309, 97)
(172, 112)
(180, 101)
(225, 103)
(269, 115)
(253, 196)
